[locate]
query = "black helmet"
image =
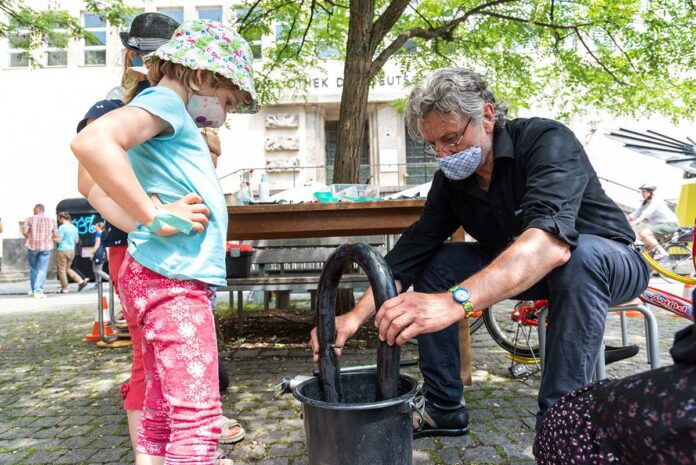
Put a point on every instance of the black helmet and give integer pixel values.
(148, 32)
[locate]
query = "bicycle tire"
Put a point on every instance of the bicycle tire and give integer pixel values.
(475, 324)
(503, 333)
(666, 272)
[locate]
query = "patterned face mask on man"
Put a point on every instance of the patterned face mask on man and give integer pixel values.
(462, 164)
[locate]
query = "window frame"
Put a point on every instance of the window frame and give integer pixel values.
(94, 48)
(17, 51)
(211, 7)
(163, 9)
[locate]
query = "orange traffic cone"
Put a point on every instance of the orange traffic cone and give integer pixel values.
(108, 330)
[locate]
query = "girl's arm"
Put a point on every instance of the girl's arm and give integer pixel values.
(101, 149)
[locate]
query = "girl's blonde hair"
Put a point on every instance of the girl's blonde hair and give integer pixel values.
(158, 68)
(129, 81)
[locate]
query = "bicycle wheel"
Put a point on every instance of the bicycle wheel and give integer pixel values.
(665, 272)
(519, 338)
(475, 324)
(678, 260)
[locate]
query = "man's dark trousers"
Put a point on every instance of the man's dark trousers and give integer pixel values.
(600, 273)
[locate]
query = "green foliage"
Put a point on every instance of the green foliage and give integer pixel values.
(29, 29)
(628, 57)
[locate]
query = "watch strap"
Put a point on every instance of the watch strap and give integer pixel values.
(469, 309)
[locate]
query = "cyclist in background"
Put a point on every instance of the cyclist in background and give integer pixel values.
(654, 221)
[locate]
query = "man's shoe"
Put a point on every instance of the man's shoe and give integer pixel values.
(82, 284)
(63, 291)
(39, 295)
(432, 419)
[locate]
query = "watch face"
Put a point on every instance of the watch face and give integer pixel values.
(460, 295)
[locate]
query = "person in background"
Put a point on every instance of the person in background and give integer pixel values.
(654, 221)
(67, 237)
(99, 256)
(38, 230)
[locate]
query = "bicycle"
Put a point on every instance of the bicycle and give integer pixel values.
(516, 330)
(678, 258)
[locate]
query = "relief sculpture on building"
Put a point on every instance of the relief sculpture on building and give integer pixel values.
(282, 143)
(283, 164)
(282, 120)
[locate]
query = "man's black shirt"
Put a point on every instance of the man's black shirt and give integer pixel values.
(541, 179)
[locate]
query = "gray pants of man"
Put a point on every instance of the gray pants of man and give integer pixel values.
(600, 273)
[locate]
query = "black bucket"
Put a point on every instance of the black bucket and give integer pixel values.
(356, 418)
(360, 430)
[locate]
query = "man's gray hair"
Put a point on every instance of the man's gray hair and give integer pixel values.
(456, 91)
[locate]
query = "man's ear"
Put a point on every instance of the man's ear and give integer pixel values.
(488, 116)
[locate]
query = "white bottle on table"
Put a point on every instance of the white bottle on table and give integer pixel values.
(264, 189)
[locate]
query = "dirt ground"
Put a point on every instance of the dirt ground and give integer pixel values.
(279, 328)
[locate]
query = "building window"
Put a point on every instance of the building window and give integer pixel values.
(212, 13)
(177, 14)
(17, 56)
(420, 166)
(55, 53)
(253, 37)
(331, 131)
(95, 44)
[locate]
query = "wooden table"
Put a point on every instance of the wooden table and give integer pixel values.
(286, 221)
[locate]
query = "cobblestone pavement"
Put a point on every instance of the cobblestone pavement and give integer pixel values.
(59, 401)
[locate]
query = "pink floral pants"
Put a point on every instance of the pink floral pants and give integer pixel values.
(182, 412)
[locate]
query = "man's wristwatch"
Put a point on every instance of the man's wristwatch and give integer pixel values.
(463, 296)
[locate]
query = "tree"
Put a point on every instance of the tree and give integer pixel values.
(625, 56)
(28, 28)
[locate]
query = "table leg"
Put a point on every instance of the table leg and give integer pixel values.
(465, 352)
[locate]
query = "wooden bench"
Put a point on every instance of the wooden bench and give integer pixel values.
(294, 265)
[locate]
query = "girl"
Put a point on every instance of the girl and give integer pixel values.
(176, 249)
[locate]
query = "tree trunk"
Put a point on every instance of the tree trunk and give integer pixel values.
(356, 87)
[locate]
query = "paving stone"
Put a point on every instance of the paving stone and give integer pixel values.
(77, 456)
(276, 461)
(481, 455)
(286, 450)
(41, 458)
(450, 456)
(77, 442)
(517, 452)
(492, 439)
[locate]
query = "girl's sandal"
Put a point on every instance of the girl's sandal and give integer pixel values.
(232, 431)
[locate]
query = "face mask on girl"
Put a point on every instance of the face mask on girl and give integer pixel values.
(206, 111)
(462, 164)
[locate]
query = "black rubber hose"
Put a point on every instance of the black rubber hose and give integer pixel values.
(383, 288)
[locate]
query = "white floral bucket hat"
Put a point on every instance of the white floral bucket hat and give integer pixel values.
(211, 46)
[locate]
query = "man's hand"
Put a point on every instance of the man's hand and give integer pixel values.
(190, 207)
(346, 326)
(407, 315)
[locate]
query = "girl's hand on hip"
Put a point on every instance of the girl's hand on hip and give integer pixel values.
(190, 207)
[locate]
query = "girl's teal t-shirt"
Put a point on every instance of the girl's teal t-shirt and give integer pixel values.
(172, 165)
